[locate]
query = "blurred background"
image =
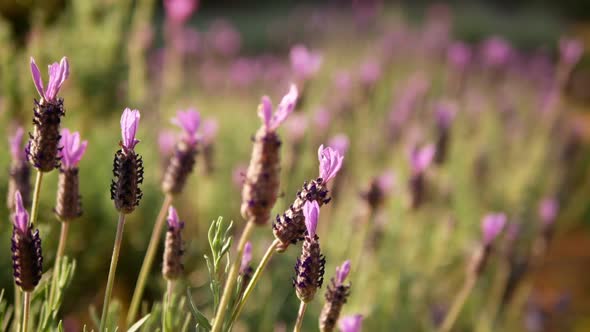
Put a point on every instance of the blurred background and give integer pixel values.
(513, 74)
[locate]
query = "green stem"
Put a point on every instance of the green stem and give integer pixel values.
(148, 260)
(458, 303)
(231, 279)
(61, 248)
(36, 192)
(166, 307)
(300, 315)
(255, 277)
(112, 271)
(17, 304)
(26, 310)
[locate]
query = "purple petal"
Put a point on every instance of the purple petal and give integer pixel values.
(209, 130)
(37, 78)
(304, 62)
(570, 50)
(246, 257)
(129, 123)
(16, 150)
(55, 77)
(285, 108)
(20, 216)
(420, 159)
(342, 272)
(351, 323)
(173, 220)
(311, 211)
(339, 143)
(491, 226)
(189, 121)
(386, 181)
(166, 141)
(330, 163)
(72, 148)
(548, 209)
(265, 111)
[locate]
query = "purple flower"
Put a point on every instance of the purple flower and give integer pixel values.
(272, 121)
(570, 50)
(173, 220)
(311, 211)
(58, 73)
(548, 209)
(246, 257)
(166, 141)
(20, 218)
(129, 123)
(445, 112)
(351, 323)
(459, 55)
(304, 62)
(386, 181)
(330, 162)
(322, 119)
(496, 51)
(370, 72)
(296, 127)
(72, 148)
(209, 131)
(224, 38)
(16, 150)
(421, 158)
(491, 226)
(342, 272)
(189, 121)
(179, 11)
(339, 143)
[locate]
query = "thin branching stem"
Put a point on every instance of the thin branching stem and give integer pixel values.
(300, 314)
(112, 271)
(231, 278)
(148, 260)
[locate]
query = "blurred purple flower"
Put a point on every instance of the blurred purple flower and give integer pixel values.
(496, 51)
(173, 220)
(72, 148)
(491, 226)
(445, 112)
(342, 272)
(351, 323)
(20, 218)
(129, 123)
(166, 142)
(58, 73)
(16, 148)
(339, 143)
(295, 127)
(570, 50)
(246, 257)
(209, 131)
(305, 63)
(370, 72)
(386, 181)
(189, 122)
(224, 38)
(343, 81)
(421, 158)
(179, 11)
(311, 211)
(459, 55)
(322, 119)
(548, 209)
(243, 72)
(273, 121)
(330, 162)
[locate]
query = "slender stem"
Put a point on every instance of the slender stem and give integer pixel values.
(167, 299)
(17, 304)
(148, 260)
(36, 192)
(187, 321)
(26, 310)
(231, 279)
(61, 248)
(255, 277)
(300, 315)
(458, 303)
(112, 271)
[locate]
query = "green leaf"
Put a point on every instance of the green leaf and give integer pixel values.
(139, 323)
(202, 321)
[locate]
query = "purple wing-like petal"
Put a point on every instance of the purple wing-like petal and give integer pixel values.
(189, 121)
(173, 220)
(37, 78)
(16, 150)
(20, 216)
(311, 211)
(265, 112)
(129, 123)
(342, 272)
(285, 108)
(491, 226)
(330, 162)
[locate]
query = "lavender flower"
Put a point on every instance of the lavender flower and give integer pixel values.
(69, 203)
(570, 50)
(260, 190)
(305, 63)
(370, 72)
(496, 52)
(172, 267)
(459, 56)
(127, 166)
(420, 159)
(224, 38)
(42, 149)
(444, 114)
(378, 190)
(290, 226)
(179, 11)
(310, 265)
(548, 209)
(27, 258)
(491, 226)
(20, 172)
(351, 323)
(182, 162)
(246, 257)
(339, 143)
(336, 296)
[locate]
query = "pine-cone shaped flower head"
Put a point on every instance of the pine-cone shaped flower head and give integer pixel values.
(330, 163)
(310, 265)
(261, 187)
(42, 149)
(172, 267)
(20, 171)
(305, 63)
(27, 258)
(352, 323)
(69, 203)
(127, 166)
(491, 226)
(182, 162)
(336, 296)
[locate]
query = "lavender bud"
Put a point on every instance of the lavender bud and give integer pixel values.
(69, 202)
(172, 267)
(27, 258)
(309, 269)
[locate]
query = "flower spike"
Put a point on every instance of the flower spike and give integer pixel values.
(492, 225)
(272, 121)
(342, 272)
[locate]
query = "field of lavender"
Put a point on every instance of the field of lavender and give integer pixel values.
(329, 168)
